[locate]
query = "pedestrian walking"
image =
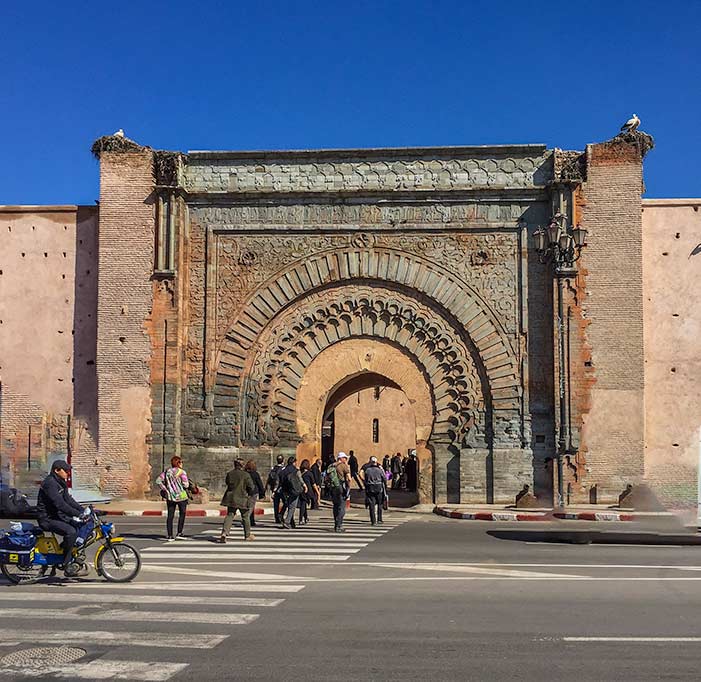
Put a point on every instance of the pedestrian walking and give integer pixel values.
(353, 464)
(375, 490)
(273, 484)
(337, 481)
(396, 468)
(387, 463)
(252, 470)
(239, 489)
(411, 473)
(306, 497)
(292, 487)
(316, 488)
(174, 485)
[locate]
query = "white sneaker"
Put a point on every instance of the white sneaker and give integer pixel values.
(180, 536)
(170, 539)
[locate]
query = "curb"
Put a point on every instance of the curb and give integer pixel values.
(492, 516)
(594, 516)
(191, 512)
(536, 516)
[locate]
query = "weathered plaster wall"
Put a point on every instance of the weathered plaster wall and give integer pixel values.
(48, 270)
(672, 318)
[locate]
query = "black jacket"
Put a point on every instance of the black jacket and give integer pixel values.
(55, 502)
(258, 483)
(316, 473)
(353, 464)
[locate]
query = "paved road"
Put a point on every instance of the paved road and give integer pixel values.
(418, 598)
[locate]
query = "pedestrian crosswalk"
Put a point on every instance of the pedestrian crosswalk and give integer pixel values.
(210, 606)
(144, 615)
(317, 543)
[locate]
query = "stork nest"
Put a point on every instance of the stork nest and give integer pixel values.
(115, 143)
(636, 138)
(165, 163)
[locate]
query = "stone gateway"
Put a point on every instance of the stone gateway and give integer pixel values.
(245, 299)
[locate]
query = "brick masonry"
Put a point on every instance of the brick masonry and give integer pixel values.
(124, 309)
(611, 301)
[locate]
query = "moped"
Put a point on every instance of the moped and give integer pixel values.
(115, 560)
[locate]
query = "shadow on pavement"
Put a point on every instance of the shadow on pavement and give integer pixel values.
(586, 537)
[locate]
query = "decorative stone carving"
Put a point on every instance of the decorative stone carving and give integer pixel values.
(266, 388)
(203, 173)
(569, 166)
(241, 217)
(487, 261)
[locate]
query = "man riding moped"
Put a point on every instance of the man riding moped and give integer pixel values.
(58, 512)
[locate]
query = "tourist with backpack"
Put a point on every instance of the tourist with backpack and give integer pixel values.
(292, 486)
(375, 490)
(337, 482)
(273, 484)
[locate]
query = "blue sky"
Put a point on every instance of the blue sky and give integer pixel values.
(281, 75)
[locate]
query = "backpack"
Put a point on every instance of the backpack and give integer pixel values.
(291, 484)
(331, 479)
(273, 477)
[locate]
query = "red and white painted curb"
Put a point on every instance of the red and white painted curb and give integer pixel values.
(189, 512)
(493, 516)
(594, 516)
(535, 516)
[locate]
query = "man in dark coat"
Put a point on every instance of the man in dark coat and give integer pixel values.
(353, 464)
(316, 475)
(411, 473)
(396, 471)
(292, 486)
(273, 484)
(57, 511)
(375, 490)
(239, 488)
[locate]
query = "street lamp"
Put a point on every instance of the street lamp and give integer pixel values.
(561, 245)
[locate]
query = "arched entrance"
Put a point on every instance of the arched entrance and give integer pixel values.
(355, 365)
(269, 388)
(370, 415)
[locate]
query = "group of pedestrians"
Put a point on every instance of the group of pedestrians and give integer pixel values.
(294, 490)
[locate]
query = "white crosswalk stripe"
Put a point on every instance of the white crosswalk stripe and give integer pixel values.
(316, 542)
(141, 610)
(104, 603)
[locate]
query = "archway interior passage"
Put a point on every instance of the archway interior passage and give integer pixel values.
(371, 415)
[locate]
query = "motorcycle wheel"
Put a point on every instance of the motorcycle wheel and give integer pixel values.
(119, 563)
(23, 576)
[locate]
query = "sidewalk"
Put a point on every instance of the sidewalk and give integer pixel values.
(479, 512)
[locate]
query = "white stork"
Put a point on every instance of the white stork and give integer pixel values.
(119, 133)
(631, 124)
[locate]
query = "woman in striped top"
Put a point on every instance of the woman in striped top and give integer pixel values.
(174, 484)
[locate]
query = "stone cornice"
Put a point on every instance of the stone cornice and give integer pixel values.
(373, 153)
